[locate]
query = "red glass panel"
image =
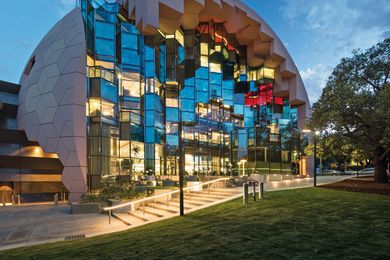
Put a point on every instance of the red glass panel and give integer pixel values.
(278, 101)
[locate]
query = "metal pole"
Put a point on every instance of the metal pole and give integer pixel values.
(315, 161)
(181, 168)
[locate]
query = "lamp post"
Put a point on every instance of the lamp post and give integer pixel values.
(243, 161)
(316, 133)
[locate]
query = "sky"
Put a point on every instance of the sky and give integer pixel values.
(317, 33)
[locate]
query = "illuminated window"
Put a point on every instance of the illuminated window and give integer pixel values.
(204, 61)
(204, 48)
(265, 73)
(179, 37)
(243, 69)
(97, 108)
(214, 67)
(172, 102)
(252, 75)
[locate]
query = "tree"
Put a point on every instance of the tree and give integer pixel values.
(354, 107)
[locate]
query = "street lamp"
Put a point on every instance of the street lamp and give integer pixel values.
(316, 133)
(243, 161)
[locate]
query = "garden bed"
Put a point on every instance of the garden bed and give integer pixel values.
(364, 184)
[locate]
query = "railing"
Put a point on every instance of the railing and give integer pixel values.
(167, 195)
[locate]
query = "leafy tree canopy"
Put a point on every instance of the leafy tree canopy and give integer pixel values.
(354, 107)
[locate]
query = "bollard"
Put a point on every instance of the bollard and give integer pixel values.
(261, 190)
(254, 191)
(56, 199)
(245, 193)
(18, 199)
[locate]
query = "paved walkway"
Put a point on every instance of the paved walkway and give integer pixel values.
(37, 224)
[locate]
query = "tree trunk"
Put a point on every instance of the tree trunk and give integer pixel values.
(380, 167)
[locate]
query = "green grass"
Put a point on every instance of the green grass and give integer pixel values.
(303, 223)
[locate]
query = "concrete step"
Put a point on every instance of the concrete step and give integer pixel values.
(225, 192)
(121, 218)
(146, 215)
(198, 199)
(137, 216)
(189, 202)
(206, 195)
(173, 204)
(153, 211)
(168, 209)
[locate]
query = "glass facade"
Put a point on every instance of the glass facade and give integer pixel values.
(142, 89)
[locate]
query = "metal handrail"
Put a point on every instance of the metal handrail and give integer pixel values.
(131, 203)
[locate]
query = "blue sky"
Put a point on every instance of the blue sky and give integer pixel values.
(317, 33)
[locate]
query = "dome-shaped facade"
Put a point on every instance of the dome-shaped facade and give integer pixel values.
(52, 99)
(122, 90)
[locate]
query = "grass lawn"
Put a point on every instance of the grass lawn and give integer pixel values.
(304, 223)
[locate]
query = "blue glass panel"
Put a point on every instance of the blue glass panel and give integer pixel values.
(228, 127)
(149, 101)
(188, 116)
(248, 112)
(238, 109)
(242, 143)
(105, 47)
(202, 85)
(150, 69)
(187, 92)
(215, 78)
(149, 135)
(243, 77)
(228, 102)
(157, 104)
(180, 52)
(158, 135)
(239, 99)
(202, 73)
(149, 53)
(129, 41)
(105, 30)
(130, 57)
(109, 91)
(249, 122)
(149, 118)
(158, 120)
(252, 86)
(227, 95)
(189, 81)
(188, 105)
(228, 84)
(202, 97)
(216, 91)
(172, 114)
(284, 122)
(172, 140)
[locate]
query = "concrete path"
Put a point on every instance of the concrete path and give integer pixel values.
(38, 224)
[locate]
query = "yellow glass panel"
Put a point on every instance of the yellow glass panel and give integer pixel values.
(215, 67)
(179, 37)
(204, 48)
(252, 75)
(204, 61)
(269, 73)
(172, 102)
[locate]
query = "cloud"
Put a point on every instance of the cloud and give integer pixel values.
(332, 30)
(65, 6)
(315, 79)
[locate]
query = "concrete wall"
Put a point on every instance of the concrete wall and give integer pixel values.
(52, 99)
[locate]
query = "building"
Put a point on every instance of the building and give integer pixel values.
(122, 89)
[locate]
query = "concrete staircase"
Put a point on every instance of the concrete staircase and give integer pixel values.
(159, 209)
